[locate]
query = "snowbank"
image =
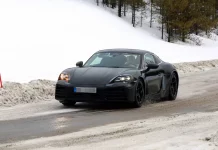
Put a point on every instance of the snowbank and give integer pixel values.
(35, 91)
(41, 38)
(191, 67)
(41, 90)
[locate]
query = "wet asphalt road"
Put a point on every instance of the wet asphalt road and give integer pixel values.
(197, 92)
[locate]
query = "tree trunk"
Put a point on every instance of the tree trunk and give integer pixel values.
(141, 19)
(113, 5)
(168, 29)
(196, 29)
(107, 3)
(183, 36)
(162, 22)
(124, 11)
(143, 6)
(119, 7)
(151, 14)
(133, 15)
(162, 28)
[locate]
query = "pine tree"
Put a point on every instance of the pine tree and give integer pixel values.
(177, 18)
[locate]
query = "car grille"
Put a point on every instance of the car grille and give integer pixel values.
(103, 94)
(115, 94)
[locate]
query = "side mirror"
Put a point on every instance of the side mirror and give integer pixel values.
(152, 66)
(79, 64)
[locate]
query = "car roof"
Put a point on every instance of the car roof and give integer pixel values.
(125, 50)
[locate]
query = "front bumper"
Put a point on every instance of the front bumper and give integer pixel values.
(122, 92)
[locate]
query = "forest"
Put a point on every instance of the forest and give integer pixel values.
(178, 18)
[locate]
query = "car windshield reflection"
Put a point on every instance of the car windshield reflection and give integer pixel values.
(114, 60)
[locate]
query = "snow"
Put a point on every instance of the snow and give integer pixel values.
(35, 91)
(38, 39)
(42, 108)
(214, 138)
(192, 67)
(192, 131)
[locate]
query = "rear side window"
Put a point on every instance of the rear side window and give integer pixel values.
(157, 59)
(149, 59)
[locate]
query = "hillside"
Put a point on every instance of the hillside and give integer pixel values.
(41, 38)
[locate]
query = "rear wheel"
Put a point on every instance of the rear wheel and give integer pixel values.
(68, 103)
(139, 94)
(173, 88)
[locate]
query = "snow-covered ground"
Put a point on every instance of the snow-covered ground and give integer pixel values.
(38, 39)
(192, 131)
(189, 123)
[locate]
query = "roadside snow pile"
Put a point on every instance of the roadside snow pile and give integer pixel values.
(190, 67)
(34, 91)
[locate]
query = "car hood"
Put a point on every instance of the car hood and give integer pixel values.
(95, 75)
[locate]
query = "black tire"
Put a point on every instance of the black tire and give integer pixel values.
(173, 87)
(68, 104)
(139, 94)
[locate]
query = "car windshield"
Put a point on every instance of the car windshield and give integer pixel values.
(114, 60)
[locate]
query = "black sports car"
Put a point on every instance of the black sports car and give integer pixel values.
(122, 75)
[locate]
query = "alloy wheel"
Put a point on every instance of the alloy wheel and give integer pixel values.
(174, 86)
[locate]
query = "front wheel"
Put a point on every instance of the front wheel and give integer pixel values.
(139, 94)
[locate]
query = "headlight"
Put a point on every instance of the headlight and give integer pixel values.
(123, 78)
(64, 76)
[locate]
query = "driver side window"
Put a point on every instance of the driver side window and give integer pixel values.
(149, 59)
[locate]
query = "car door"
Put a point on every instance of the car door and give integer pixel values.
(153, 77)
